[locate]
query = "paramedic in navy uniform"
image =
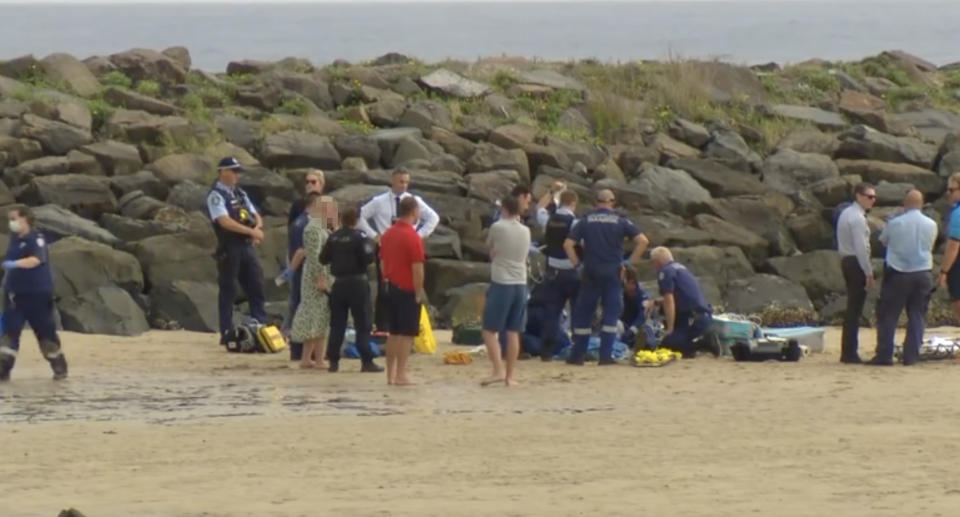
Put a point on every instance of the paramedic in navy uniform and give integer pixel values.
(382, 210)
(28, 296)
(238, 228)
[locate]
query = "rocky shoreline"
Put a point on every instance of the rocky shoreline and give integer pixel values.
(737, 168)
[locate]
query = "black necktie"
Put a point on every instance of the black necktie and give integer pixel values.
(396, 209)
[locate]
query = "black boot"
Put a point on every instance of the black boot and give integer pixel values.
(296, 351)
(371, 367)
(6, 365)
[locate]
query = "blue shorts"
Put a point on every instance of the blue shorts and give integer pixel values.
(505, 308)
(953, 284)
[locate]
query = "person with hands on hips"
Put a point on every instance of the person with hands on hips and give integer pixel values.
(238, 228)
(28, 296)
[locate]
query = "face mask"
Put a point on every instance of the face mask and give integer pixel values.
(14, 226)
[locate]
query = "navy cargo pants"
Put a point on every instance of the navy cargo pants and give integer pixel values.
(37, 310)
(239, 263)
(899, 290)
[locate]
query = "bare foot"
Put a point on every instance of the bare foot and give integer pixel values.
(403, 382)
(510, 383)
(320, 366)
(306, 366)
(491, 381)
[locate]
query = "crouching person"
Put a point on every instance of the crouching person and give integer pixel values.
(637, 333)
(28, 296)
(688, 317)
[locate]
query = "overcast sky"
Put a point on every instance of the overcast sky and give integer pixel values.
(402, 1)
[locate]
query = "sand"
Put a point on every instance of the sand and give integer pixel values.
(167, 424)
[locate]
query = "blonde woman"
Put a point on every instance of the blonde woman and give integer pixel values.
(311, 323)
(297, 222)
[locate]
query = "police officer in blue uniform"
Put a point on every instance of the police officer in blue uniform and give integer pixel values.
(28, 296)
(688, 316)
(238, 228)
(349, 252)
(562, 281)
(601, 234)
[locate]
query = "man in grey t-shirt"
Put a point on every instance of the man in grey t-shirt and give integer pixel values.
(505, 307)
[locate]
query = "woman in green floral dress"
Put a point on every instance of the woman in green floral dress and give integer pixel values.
(311, 323)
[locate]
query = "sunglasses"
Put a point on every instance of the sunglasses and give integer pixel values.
(951, 190)
(871, 197)
(313, 182)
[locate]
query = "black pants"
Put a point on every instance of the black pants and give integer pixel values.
(381, 309)
(856, 281)
(899, 291)
(350, 294)
(239, 263)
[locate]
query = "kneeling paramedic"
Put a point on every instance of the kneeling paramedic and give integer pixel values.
(238, 228)
(348, 252)
(601, 234)
(637, 332)
(687, 315)
(562, 280)
(28, 296)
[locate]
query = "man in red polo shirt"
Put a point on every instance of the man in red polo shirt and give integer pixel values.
(402, 256)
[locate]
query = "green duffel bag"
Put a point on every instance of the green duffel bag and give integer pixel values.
(468, 335)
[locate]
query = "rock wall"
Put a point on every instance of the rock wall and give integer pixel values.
(738, 169)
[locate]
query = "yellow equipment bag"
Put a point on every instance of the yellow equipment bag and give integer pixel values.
(425, 343)
(270, 339)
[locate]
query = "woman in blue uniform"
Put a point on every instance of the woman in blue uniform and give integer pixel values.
(28, 296)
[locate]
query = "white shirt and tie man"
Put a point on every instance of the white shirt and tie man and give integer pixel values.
(381, 211)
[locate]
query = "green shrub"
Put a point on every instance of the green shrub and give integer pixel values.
(294, 106)
(887, 68)
(116, 78)
(898, 96)
(148, 87)
(503, 79)
(100, 111)
(194, 107)
(357, 127)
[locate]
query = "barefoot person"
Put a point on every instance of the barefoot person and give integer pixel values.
(506, 301)
(28, 296)
(402, 257)
(312, 320)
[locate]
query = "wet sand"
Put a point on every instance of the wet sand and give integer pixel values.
(167, 424)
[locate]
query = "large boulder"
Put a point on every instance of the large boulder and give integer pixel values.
(19, 150)
(57, 222)
(513, 136)
(490, 157)
(723, 233)
(729, 148)
(464, 305)
(825, 120)
(144, 181)
(389, 140)
(180, 55)
(189, 196)
(874, 172)
(549, 78)
(408, 150)
(175, 168)
(88, 196)
(948, 159)
(442, 274)
(104, 310)
(721, 264)
(670, 149)
(690, 133)
(138, 205)
(167, 258)
(242, 132)
(810, 141)
(115, 158)
(818, 272)
(359, 146)
(755, 294)
(136, 101)
(670, 189)
(291, 149)
(717, 178)
(310, 86)
(70, 70)
(130, 230)
(46, 166)
(54, 137)
(140, 127)
(810, 230)
(932, 125)
(425, 115)
(453, 143)
(261, 183)
(443, 243)
(763, 215)
(863, 108)
(833, 191)
(453, 84)
(54, 105)
(386, 113)
(864, 143)
(191, 304)
(80, 266)
(493, 185)
(788, 171)
(140, 64)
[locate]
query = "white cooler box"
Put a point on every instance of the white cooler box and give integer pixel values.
(810, 337)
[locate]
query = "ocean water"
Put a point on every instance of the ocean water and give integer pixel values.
(741, 32)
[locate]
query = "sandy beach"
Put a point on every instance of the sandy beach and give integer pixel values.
(167, 424)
